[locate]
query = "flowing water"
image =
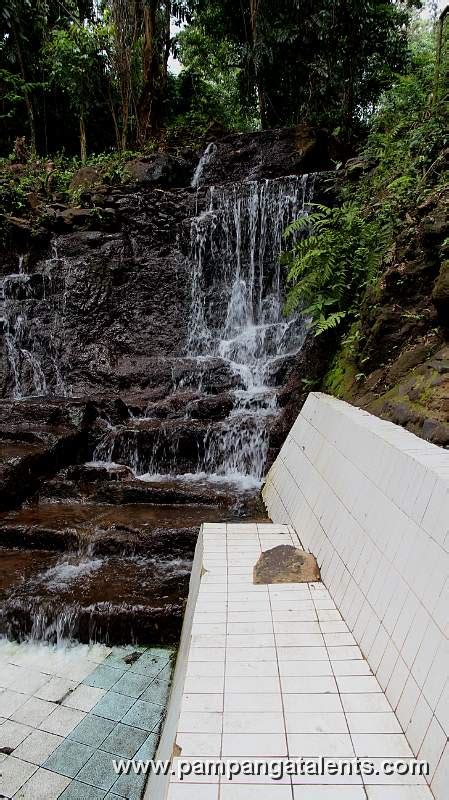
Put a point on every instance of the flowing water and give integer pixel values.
(237, 308)
(28, 357)
(236, 316)
(206, 158)
(236, 326)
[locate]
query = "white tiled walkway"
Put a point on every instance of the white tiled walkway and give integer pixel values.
(274, 672)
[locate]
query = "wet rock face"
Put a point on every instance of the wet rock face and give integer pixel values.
(36, 440)
(269, 154)
(90, 307)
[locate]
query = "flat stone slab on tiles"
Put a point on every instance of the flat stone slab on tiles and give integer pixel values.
(286, 564)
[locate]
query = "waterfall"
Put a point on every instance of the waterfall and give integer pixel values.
(34, 361)
(236, 318)
(206, 158)
(26, 370)
(236, 308)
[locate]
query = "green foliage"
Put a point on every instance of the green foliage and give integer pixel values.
(71, 56)
(407, 137)
(340, 250)
(49, 180)
(250, 63)
(321, 61)
(337, 254)
(208, 88)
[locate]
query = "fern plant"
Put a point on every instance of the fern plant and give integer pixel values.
(335, 253)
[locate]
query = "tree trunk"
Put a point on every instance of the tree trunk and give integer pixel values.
(254, 9)
(439, 57)
(150, 107)
(348, 100)
(83, 142)
(349, 73)
(127, 24)
(27, 97)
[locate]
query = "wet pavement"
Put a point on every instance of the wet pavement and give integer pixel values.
(66, 712)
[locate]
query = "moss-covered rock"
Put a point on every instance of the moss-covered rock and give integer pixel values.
(440, 294)
(340, 379)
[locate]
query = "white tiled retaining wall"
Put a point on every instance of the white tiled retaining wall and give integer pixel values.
(371, 501)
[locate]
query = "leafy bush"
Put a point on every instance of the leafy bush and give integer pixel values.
(408, 133)
(337, 252)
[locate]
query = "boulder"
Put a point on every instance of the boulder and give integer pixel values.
(85, 178)
(270, 154)
(357, 167)
(74, 217)
(286, 564)
(160, 169)
(211, 407)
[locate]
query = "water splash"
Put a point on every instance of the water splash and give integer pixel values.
(70, 569)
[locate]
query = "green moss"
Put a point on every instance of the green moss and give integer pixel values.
(341, 376)
(414, 391)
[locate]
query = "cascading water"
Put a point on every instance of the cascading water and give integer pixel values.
(27, 375)
(236, 311)
(205, 159)
(236, 319)
(34, 365)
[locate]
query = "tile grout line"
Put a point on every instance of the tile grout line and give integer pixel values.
(225, 653)
(338, 690)
(280, 689)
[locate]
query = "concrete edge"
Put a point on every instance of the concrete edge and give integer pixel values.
(157, 785)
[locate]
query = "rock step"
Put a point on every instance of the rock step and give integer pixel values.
(103, 529)
(112, 599)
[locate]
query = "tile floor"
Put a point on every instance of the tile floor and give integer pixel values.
(65, 713)
(274, 671)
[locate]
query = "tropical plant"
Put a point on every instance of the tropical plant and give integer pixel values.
(336, 252)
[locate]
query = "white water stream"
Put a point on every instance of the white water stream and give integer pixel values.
(237, 309)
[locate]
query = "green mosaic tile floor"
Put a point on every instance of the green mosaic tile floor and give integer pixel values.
(112, 706)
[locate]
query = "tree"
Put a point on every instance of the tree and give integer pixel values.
(323, 61)
(142, 46)
(25, 26)
(209, 87)
(442, 58)
(126, 32)
(15, 18)
(75, 58)
(157, 44)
